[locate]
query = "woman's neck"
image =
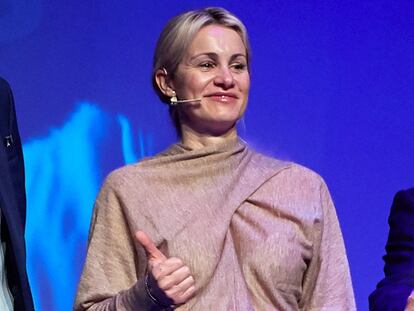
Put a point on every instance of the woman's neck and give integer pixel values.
(195, 140)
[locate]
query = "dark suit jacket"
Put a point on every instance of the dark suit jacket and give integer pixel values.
(13, 201)
(392, 292)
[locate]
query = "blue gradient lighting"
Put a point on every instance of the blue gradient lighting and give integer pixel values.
(63, 175)
(62, 181)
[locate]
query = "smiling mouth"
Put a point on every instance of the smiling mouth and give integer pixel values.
(223, 97)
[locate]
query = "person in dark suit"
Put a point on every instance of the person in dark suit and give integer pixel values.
(12, 205)
(394, 289)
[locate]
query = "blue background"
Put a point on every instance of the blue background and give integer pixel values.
(332, 89)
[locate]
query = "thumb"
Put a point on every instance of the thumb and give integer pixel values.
(152, 251)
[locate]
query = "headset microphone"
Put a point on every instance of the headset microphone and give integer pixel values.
(174, 101)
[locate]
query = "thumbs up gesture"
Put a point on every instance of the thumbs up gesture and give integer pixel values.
(170, 280)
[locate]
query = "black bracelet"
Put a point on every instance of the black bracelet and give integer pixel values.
(152, 297)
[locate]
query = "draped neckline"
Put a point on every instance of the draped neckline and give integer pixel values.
(180, 154)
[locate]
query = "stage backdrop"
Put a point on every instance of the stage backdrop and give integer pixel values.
(332, 89)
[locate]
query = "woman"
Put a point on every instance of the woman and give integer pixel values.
(210, 224)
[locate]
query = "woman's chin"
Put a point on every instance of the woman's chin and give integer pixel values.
(219, 127)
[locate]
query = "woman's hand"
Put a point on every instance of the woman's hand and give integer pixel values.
(170, 280)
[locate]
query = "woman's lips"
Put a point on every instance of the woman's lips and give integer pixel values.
(223, 97)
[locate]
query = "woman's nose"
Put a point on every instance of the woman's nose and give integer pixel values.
(224, 78)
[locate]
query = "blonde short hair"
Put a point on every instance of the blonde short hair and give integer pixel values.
(180, 32)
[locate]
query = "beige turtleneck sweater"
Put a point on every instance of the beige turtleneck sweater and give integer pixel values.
(257, 233)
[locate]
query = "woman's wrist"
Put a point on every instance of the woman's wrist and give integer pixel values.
(153, 298)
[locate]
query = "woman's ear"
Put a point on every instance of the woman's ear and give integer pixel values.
(164, 82)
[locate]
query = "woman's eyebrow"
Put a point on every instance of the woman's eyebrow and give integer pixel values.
(209, 54)
(234, 56)
(215, 56)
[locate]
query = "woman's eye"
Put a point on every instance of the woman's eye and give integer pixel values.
(239, 66)
(206, 65)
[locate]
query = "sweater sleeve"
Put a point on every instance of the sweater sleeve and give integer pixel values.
(333, 287)
(111, 279)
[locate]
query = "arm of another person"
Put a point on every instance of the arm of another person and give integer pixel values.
(392, 292)
(13, 211)
(331, 287)
(10, 137)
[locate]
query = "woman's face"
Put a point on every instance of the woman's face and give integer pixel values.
(214, 68)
